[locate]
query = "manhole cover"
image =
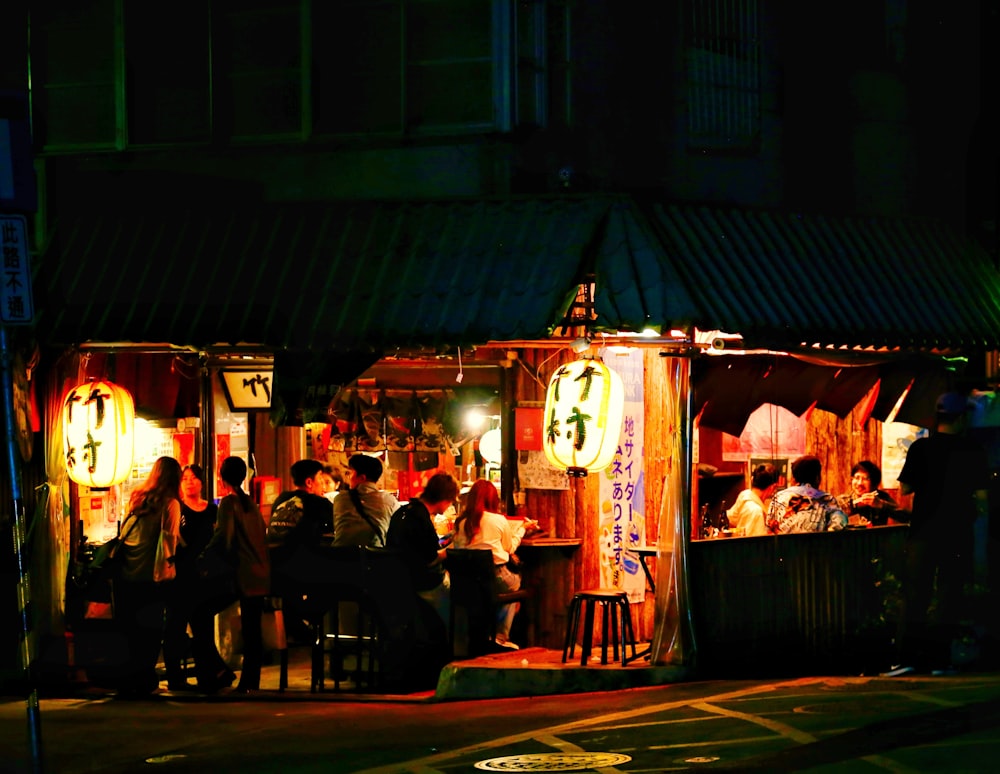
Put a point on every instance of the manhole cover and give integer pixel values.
(557, 761)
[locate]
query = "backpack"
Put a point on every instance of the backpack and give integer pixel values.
(285, 517)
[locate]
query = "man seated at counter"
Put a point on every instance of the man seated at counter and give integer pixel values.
(866, 504)
(361, 512)
(300, 518)
(804, 507)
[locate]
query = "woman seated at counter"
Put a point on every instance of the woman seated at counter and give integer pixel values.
(747, 516)
(481, 525)
(867, 504)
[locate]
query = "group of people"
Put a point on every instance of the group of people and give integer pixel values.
(161, 594)
(157, 594)
(763, 509)
(947, 472)
(362, 514)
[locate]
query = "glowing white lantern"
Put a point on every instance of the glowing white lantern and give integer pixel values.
(490, 445)
(98, 434)
(584, 405)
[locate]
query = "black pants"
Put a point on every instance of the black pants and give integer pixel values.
(184, 608)
(139, 610)
(934, 570)
(251, 613)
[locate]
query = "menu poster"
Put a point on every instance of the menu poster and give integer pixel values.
(534, 471)
(896, 440)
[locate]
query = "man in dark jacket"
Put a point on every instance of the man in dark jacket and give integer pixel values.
(300, 518)
(412, 533)
(948, 475)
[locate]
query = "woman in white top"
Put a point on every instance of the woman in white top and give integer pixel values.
(746, 517)
(480, 525)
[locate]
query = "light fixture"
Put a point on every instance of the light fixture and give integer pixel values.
(580, 345)
(98, 434)
(490, 445)
(475, 418)
(584, 405)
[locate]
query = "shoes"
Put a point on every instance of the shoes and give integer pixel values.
(948, 671)
(898, 671)
(239, 690)
(222, 680)
(135, 694)
(180, 685)
(508, 645)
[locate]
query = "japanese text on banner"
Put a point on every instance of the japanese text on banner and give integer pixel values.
(622, 493)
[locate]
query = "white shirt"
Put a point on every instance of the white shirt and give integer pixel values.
(746, 517)
(495, 532)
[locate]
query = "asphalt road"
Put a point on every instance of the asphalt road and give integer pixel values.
(811, 724)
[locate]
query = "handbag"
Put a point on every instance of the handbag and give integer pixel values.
(216, 568)
(216, 562)
(164, 568)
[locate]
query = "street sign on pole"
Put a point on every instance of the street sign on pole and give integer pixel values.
(16, 301)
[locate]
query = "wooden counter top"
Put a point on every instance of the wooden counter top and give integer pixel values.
(549, 542)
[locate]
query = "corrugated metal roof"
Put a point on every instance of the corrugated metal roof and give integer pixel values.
(316, 276)
(386, 275)
(784, 279)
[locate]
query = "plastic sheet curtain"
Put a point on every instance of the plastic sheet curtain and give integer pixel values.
(51, 534)
(673, 630)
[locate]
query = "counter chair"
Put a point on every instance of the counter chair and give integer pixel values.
(341, 600)
(616, 625)
(274, 604)
(389, 591)
(474, 593)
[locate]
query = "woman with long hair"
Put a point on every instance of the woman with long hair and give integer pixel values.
(482, 525)
(241, 526)
(198, 517)
(150, 535)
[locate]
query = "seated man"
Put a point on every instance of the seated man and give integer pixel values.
(411, 532)
(361, 513)
(803, 507)
(300, 518)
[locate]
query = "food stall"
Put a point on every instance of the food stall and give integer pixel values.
(633, 267)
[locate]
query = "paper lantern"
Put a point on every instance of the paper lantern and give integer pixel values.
(490, 445)
(584, 405)
(98, 434)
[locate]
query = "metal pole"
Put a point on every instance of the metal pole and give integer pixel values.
(23, 584)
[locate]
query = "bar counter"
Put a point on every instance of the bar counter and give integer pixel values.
(548, 571)
(783, 604)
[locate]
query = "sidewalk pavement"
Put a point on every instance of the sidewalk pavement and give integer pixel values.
(510, 673)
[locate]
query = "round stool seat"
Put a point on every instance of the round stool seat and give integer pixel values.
(606, 594)
(616, 621)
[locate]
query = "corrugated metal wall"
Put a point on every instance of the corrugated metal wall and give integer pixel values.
(796, 603)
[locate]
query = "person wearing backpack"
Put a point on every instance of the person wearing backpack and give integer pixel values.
(361, 513)
(300, 518)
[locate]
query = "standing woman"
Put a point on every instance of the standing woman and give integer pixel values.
(242, 528)
(197, 525)
(140, 591)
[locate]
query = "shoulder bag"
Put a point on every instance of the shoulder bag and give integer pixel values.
(356, 499)
(164, 567)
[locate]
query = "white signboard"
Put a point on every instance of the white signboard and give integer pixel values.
(15, 294)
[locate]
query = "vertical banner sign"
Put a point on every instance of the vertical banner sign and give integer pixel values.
(622, 494)
(16, 305)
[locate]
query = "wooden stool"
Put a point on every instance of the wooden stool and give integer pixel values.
(616, 621)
